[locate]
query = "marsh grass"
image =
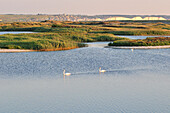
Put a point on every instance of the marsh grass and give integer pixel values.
(53, 35)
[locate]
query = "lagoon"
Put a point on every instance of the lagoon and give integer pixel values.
(138, 37)
(133, 82)
(14, 32)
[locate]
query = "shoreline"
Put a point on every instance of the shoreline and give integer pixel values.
(26, 50)
(60, 49)
(14, 50)
(138, 47)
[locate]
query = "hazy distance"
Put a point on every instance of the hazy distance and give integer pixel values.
(89, 7)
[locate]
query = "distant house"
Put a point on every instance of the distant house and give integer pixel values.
(154, 18)
(98, 19)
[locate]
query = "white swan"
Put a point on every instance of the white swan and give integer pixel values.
(67, 74)
(101, 71)
(132, 49)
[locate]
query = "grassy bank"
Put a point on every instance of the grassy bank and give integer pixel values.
(51, 41)
(157, 41)
(38, 41)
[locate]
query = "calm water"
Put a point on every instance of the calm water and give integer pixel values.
(138, 37)
(133, 82)
(14, 32)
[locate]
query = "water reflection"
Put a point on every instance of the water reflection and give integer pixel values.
(66, 78)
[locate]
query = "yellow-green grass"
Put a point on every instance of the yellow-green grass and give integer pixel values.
(155, 41)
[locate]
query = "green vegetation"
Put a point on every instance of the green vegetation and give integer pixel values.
(38, 41)
(48, 41)
(156, 41)
(57, 35)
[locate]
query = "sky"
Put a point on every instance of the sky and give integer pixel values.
(86, 7)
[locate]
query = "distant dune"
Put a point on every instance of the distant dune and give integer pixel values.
(136, 18)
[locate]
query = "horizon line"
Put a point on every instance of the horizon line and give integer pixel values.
(81, 14)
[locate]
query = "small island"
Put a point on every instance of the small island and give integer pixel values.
(148, 43)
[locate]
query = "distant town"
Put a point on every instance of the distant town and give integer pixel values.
(66, 17)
